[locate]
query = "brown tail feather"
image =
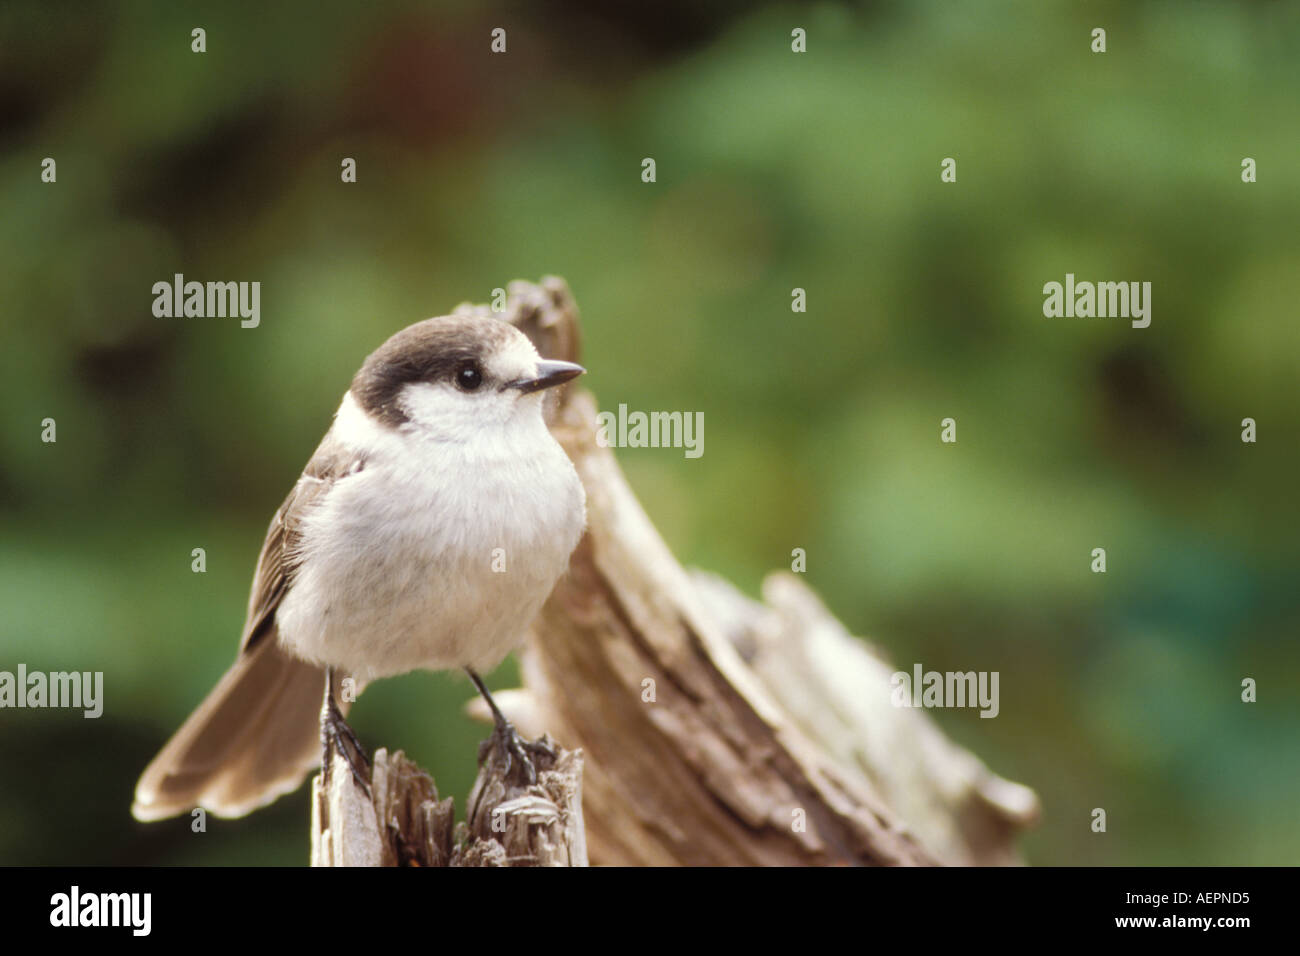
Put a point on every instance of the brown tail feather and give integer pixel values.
(253, 738)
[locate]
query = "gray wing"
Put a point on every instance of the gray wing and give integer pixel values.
(279, 559)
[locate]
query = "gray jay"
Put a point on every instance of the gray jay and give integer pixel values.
(426, 532)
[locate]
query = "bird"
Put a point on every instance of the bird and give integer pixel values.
(425, 533)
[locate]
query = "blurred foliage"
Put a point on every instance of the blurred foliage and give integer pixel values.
(775, 170)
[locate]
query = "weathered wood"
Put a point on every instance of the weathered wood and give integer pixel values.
(836, 689)
(403, 823)
(537, 825)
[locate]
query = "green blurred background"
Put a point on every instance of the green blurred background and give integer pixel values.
(775, 171)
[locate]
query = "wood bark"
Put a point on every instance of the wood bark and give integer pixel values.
(403, 823)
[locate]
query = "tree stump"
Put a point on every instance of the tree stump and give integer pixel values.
(403, 823)
(714, 729)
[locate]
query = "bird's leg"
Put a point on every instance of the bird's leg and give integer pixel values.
(335, 733)
(513, 746)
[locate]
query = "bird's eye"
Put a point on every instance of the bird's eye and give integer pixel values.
(468, 378)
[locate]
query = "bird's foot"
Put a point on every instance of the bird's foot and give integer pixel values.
(337, 735)
(517, 752)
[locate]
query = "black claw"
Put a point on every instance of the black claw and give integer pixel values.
(341, 737)
(336, 734)
(516, 751)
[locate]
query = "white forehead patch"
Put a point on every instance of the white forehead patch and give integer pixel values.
(517, 359)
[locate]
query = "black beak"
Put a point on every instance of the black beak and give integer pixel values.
(549, 374)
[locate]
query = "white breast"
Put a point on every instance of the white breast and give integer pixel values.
(399, 560)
